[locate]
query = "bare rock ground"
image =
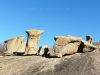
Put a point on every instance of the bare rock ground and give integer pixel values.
(76, 64)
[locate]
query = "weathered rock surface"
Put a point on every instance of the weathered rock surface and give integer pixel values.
(22, 47)
(76, 64)
(15, 45)
(89, 38)
(66, 45)
(70, 48)
(70, 44)
(18, 43)
(20, 50)
(43, 50)
(51, 52)
(10, 46)
(32, 41)
(46, 51)
(97, 44)
(87, 46)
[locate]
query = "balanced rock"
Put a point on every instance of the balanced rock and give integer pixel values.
(32, 41)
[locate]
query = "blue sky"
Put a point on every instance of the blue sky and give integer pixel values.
(55, 17)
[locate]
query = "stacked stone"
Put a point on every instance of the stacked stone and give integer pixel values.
(65, 45)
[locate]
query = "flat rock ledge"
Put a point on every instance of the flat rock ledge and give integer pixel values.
(76, 64)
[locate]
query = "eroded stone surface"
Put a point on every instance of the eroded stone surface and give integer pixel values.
(18, 43)
(22, 47)
(70, 48)
(89, 38)
(43, 50)
(62, 45)
(15, 45)
(46, 51)
(32, 41)
(70, 44)
(10, 45)
(87, 46)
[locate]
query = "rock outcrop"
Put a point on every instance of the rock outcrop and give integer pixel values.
(15, 45)
(76, 64)
(10, 46)
(43, 50)
(70, 48)
(66, 45)
(70, 45)
(32, 41)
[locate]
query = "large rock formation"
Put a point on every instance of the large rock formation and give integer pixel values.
(32, 41)
(70, 44)
(66, 45)
(70, 48)
(15, 45)
(10, 46)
